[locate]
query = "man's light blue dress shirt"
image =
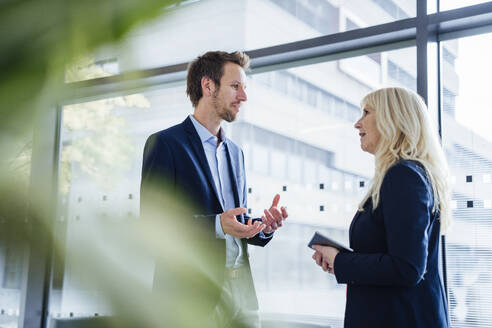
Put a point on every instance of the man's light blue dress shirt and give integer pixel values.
(219, 167)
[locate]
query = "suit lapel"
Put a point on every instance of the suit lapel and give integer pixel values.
(200, 154)
(352, 224)
(232, 174)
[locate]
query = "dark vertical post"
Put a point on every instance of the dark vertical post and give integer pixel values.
(439, 121)
(422, 39)
(439, 126)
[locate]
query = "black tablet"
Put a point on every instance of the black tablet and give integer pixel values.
(319, 239)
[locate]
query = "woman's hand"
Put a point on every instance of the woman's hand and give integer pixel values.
(325, 257)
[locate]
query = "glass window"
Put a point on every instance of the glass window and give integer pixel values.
(328, 173)
(297, 129)
(99, 185)
(467, 141)
(177, 35)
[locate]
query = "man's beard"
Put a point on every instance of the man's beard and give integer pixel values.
(224, 113)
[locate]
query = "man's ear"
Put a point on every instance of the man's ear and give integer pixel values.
(208, 86)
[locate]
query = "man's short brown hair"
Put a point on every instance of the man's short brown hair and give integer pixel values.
(210, 65)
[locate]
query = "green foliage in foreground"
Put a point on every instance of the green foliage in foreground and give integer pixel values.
(39, 39)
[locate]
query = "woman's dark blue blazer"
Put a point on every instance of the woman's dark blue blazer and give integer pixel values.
(393, 275)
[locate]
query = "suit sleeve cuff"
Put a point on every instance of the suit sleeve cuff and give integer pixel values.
(219, 233)
(342, 268)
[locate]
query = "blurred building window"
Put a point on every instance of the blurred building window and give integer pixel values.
(397, 73)
(319, 14)
(448, 56)
(454, 4)
(392, 8)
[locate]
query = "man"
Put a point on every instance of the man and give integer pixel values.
(196, 158)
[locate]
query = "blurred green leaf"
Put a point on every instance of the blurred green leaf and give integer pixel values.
(39, 40)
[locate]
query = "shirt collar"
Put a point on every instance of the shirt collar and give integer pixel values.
(204, 134)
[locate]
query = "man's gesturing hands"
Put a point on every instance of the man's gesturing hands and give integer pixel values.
(273, 216)
(234, 228)
(272, 220)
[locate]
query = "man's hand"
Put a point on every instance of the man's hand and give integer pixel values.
(234, 228)
(273, 216)
(325, 257)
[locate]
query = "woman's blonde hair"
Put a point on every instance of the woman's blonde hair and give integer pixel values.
(407, 133)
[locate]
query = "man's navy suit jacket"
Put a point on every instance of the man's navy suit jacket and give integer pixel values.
(393, 276)
(174, 158)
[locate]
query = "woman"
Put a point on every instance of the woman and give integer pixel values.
(392, 276)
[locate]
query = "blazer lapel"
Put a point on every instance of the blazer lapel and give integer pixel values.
(357, 215)
(232, 174)
(200, 154)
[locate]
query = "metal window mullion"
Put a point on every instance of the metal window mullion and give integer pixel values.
(422, 37)
(462, 22)
(433, 34)
(439, 128)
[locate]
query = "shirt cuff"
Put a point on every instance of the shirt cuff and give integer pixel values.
(219, 233)
(265, 235)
